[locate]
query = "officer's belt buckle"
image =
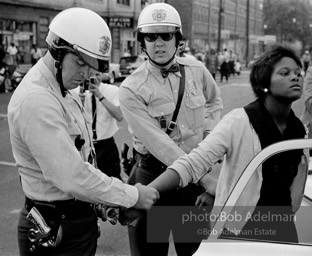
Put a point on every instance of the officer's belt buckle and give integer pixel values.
(171, 125)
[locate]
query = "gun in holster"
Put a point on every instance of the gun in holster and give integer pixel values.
(42, 234)
(127, 163)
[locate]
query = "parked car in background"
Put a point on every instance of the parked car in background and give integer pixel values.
(10, 78)
(112, 75)
(128, 64)
(220, 245)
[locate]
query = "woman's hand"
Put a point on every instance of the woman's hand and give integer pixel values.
(205, 199)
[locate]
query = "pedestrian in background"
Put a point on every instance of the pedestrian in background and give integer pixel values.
(21, 54)
(225, 66)
(149, 97)
(181, 48)
(12, 51)
(211, 62)
(35, 53)
(52, 142)
(102, 106)
(237, 67)
(200, 56)
(2, 56)
(232, 61)
(277, 186)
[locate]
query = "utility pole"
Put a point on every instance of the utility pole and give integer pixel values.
(235, 27)
(219, 25)
(209, 14)
(247, 33)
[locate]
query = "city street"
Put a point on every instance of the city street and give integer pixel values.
(114, 239)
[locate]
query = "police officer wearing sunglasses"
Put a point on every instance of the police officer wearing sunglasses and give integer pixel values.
(148, 99)
(52, 143)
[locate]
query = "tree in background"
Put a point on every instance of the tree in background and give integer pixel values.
(289, 20)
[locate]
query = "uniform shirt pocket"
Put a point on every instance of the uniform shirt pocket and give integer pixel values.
(164, 110)
(195, 113)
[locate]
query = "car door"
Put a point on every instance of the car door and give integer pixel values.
(216, 244)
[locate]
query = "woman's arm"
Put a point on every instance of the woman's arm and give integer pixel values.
(167, 181)
(209, 183)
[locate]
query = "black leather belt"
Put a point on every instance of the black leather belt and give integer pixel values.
(111, 139)
(67, 209)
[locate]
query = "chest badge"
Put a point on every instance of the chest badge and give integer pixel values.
(192, 87)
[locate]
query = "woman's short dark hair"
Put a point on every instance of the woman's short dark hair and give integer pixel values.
(262, 69)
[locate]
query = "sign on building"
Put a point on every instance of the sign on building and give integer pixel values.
(120, 22)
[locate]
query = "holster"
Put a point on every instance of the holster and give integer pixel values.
(127, 163)
(53, 213)
(150, 162)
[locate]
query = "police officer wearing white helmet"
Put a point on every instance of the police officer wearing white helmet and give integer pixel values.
(52, 145)
(162, 130)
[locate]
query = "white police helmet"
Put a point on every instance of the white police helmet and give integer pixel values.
(81, 32)
(159, 18)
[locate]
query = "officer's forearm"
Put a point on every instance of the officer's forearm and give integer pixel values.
(167, 181)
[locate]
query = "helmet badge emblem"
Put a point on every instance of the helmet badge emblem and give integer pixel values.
(159, 15)
(104, 44)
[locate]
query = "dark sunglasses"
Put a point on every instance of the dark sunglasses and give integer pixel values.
(152, 37)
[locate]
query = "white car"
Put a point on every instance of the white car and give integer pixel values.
(214, 245)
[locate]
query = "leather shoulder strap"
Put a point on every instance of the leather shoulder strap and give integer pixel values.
(173, 123)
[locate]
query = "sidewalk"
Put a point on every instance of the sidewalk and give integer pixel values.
(242, 79)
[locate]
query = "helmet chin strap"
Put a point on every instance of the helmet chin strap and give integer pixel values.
(59, 78)
(161, 64)
(58, 56)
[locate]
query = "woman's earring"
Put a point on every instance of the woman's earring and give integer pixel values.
(265, 90)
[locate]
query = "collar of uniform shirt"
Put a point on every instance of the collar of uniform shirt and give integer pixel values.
(156, 72)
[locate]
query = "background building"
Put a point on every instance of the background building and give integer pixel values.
(25, 22)
(206, 24)
(220, 24)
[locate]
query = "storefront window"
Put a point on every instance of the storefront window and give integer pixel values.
(8, 25)
(1, 24)
(124, 2)
(21, 33)
(24, 26)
